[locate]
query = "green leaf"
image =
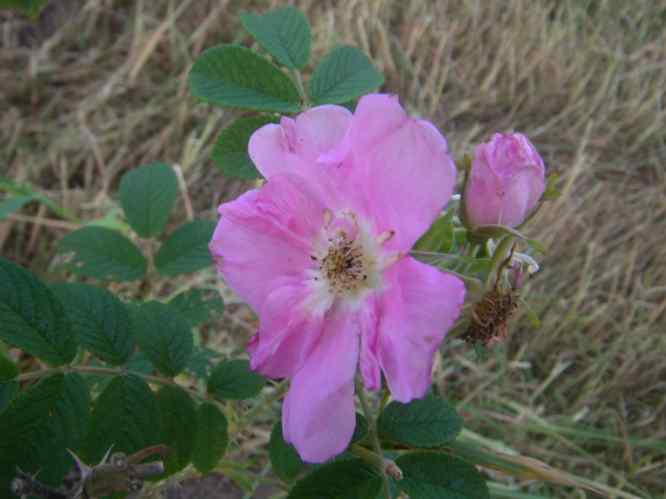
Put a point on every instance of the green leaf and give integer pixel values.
(31, 409)
(148, 194)
(8, 387)
(103, 254)
(428, 422)
(501, 231)
(284, 459)
(8, 369)
(233, 379)
(532, 316)
(551, 191)
(186, 250)
(348, 479)
(536, 246)
(465, 265)
(440, 237)
(179, 423)
(342, 75)
(284, 33)
(201, 362)
(100, 320)
(72, 412)
(361, 429)
(230, 151)
(351, 105)
(126, 415)
(137, 364)
(234, 76)
(27, 430)
(164, 336)
(32, 318)
(30, 8)
(27, 190)
(10, 205)
(140, 363)
(211, 437)
(197, 305)
(428, 475)
(69, 422)
(8, 390)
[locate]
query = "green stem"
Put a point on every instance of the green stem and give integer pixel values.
(148, 378)
(475, 249)
(109, 371)
(149, 279)
(501, 252)
(301, 88)
(385, 398)
(280, 390)
(258, 481)
(367, 455)
(374, 437)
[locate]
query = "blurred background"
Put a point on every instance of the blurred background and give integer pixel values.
(93, 88)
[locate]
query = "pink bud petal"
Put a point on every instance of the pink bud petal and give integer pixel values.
(506, 181)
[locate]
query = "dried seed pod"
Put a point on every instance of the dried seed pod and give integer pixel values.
(135, 484)
(119, 460)
(489, 321)
(490, 317)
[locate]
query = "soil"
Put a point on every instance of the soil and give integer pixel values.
(213, 486)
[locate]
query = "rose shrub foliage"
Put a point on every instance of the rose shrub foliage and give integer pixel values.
(352, 249)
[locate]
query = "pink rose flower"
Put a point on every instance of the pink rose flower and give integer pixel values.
(506, 181)
(320, 253)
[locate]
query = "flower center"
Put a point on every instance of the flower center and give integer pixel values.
(345, 266)
(347, 261)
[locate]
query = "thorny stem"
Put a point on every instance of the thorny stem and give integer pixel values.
(372, 430)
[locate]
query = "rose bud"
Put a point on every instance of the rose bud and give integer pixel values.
(506, 181)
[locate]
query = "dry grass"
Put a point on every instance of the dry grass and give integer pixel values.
(102, 89)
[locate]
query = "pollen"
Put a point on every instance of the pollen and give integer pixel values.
(347, 261)
(344, 266)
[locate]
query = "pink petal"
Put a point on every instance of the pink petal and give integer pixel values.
(318, 415)
(269, 150)
(515, 205)
(287, 333)
(369, 357)
(295, 144)
(401, 167)
(319, 130)
(417, 310)
(266, 235)
(375, 117)
(484, 192)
